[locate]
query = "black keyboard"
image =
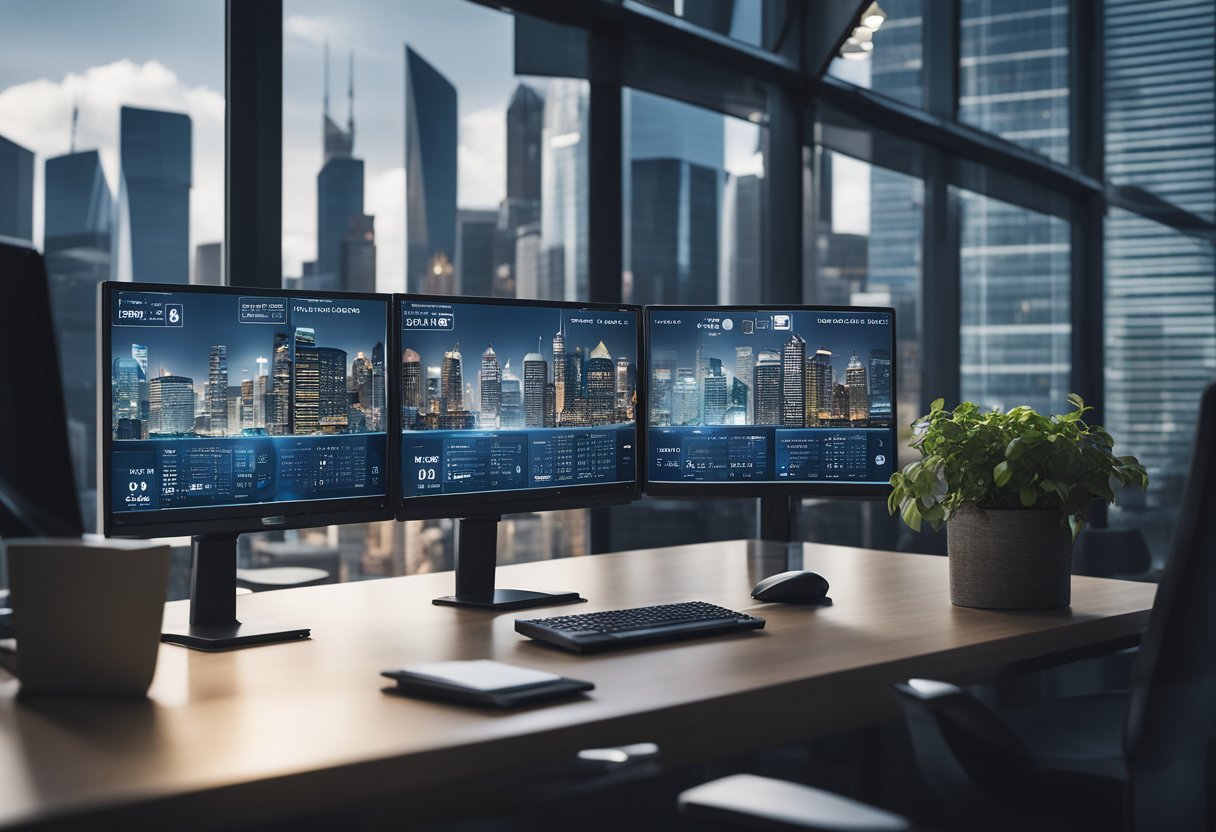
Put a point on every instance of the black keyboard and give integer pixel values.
(642, 625)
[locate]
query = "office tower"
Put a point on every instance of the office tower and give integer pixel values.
(171, 405)
(475, 232)
(601, 386)
(412, 389)
(490, 386)
(527, 270)
(840, 401)
(745, 365)
(793, 382)
(563, 270)
(881, 404)
(16, 191)
(819, 379)
(261, 395)
(768, 394)
(154, 196)
(359, 255)
(140, 353)
(512, 399)
(715, 399)
(332, 398)
(280, 386)
(536, 376)
(379, 389)
(78, 230)
(662, 388)
(451, 391)
(125, 403)
(246, 408)
(625, 383)
(305, 383)
(736, 410)
(525, 124)
(550, 412)
(432, 390)
(208, 265)
(559, 373)
(217, 391)
(675, 154)
(430, 177)
(855, 379)
(361, 380)
(747, 265)
(234, 408)
(686, 395)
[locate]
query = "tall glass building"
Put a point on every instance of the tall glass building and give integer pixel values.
(153, 239)
(16, 191)
(562, 271)
(430, 177)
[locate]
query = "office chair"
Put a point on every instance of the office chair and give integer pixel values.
(1138, 761)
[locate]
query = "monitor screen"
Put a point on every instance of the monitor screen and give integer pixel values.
(795, 398)
(226, 399)
(514, 396)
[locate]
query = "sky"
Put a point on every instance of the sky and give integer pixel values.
(170, 55)
(211, 319)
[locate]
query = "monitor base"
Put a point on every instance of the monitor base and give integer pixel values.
(213, 637)
(509, 599)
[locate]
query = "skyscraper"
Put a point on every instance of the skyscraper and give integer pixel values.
(412, 389)
(171, 405)
(881, 404)
(430, 176)
(536, 377)
(280, 386)
(512, 414)
(855, 378)
(475, 232)
(819, 380)
(745, 365)
(601, 386)
(306, 383)
(563, 272)
(559, 373)
(154, 196)
(331, 389)
(378, 420)
(715, 398)
(359, 255)
(686, 396)
(747, 249)
(246, 414)
(793, 382)
(490, 387)
(626, 382)
(16, 190)
(676, 177)
(451, 389)
(525, 124)
(261, 395)
(125, 390)
(217, 391)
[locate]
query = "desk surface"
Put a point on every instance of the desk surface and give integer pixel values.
(256, 733)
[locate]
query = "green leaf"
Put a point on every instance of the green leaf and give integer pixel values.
(911, 515)
(1076, 401)
(1014, 450)
(1001, 474)
(937, 405)
(1027, 495)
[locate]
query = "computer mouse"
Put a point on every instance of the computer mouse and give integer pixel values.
(796, 587)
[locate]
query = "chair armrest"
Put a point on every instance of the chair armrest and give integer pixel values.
(777, 804)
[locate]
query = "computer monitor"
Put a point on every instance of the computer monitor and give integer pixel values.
(764, 401)
(227, 410)
(514, 406)
(37, 491)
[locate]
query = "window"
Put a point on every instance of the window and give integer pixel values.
(1014, 266)
(1013, 72)
(893, 66)
(754, 22)
(113, 141)
(1160, 353)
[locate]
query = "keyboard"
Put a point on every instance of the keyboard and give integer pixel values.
(594, 631)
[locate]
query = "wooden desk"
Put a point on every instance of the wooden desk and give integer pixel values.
(280, 730)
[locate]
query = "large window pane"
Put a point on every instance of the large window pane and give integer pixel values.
(1160, 100)
(1160, 353)
(756, 22)
(1013, 71)
(112, 163)
(1015, 306)
(409, 167)
(893, 66)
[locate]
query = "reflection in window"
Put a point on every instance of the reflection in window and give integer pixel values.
(113, 165)
(1013, 72)
(743, 20)
(892, 66)
(1160, 348)
(1015, 306)
(1160, 107)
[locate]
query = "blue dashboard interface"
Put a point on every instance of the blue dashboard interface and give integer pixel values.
(219, 399)
(504, 397)
(790, 396)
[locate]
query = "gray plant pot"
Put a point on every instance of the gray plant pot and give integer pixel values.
(1009, 559)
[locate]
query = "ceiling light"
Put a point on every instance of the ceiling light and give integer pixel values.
(873, 17)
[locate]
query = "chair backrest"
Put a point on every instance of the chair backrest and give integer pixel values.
(1171, 716)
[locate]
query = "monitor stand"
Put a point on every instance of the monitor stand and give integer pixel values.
(777, 518)
(213, 623)
(476, 558)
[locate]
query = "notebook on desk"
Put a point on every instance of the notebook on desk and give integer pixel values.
(483, 682)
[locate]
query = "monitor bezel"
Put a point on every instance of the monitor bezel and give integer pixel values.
(691, 490)
(521, 500)
(229, 519)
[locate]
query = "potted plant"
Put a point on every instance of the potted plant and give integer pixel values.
(1014, 490)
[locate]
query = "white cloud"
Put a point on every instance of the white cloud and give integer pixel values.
(482, 159)
(385, 199)
(38, 115)
(314, 30)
